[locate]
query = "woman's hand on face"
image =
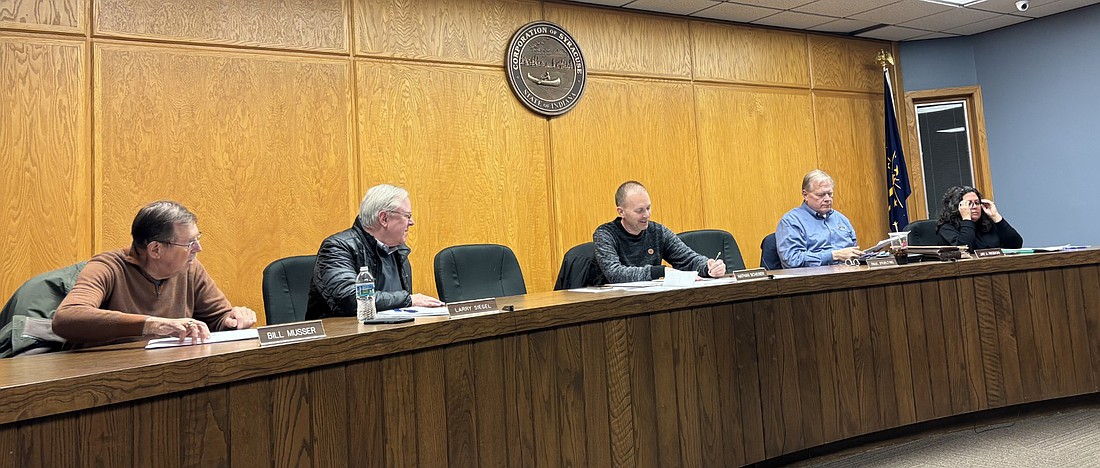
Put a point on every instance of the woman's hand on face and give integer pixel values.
(990, 210)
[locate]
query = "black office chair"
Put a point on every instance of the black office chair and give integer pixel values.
(477, 271)
(923, 232)
(709, 242)
(579, 268)
(769, 253)
(286, 288)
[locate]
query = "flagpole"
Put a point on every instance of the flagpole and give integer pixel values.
(886, 61)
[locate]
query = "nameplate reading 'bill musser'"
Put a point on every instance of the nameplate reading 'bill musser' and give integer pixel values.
(290, 333)
(472, 307)
(755, 273)
(546, 68)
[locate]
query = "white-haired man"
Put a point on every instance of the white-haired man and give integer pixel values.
(815, 234)
(376, 240)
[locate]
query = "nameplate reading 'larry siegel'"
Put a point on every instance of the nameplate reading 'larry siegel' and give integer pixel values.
(290, 333)
(546, 68)
(755, 273)
(472, 307)
(985, 253)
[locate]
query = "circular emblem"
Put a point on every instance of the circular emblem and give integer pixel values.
(546, 68)
(651, 251)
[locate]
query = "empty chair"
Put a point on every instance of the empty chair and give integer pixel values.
(923, 232)
(286, 288)
(769, 253)
(477, 271)
(579, 268)
(708, 242)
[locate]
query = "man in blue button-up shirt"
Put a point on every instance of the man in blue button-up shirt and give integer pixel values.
(814, 234)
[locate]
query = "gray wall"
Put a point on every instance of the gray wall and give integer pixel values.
(1040, 85)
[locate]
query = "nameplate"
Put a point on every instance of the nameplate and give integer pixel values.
(881, 262)
(985, 253)
(472, 307)
(745, 275)
(287, 333)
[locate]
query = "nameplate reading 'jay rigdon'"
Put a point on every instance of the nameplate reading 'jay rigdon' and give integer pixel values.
(472, 307)
(881, 262)
(755, 273)
(290, 333)
(986, 253)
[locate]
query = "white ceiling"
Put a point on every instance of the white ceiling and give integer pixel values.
(892, 20)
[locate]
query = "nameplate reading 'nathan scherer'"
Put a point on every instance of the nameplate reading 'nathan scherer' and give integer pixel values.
(546, 68)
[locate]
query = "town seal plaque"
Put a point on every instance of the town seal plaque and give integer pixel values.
(546, 68)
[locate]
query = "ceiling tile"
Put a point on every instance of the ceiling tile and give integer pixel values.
(996, 22)
(1059, 6)
(793, 20)
(843, 25)
(949, 19)
(736, 13)
(1009, 6)
(774, 4)
(902, 11)
(935, 35)
(842, 8)
(676, 7)
(893, 33)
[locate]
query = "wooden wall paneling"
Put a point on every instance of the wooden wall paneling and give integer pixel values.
(937, 354)
(1078, 329)
(863, 358)
(38, 442)
(328, 404)
(158, 445)
(1059, 327)
(846, 64)
(466, 31)
(67, 16)
(9, 442)
(667, 371)
(319, 26)
(462, 433)
(957, 370)
(1007, 331)
(544, 398)
(710, 397)
(850, 148)
(686, 389)
(292, 406)
(625, 129)
(490, 399)
(252, 419)
(596, 392)
(621, 43)
(972, 341)
(809, 382)
(643, 390)
(45, 186)
(366, 414)
(399, 411)
(918, 349)
(732, 422)
(519, 401)
(431, 411)
(723, 52)
(883, 353)
(848, 402)
(1090, 290)
(771, 400)
(1050, 383)
(204, 427)
(570, 393)
(107, 436)
(748, 375)
(258, 147)
(899, 351)
(1031, 382)
(755, 145)
(473, 159)
(790, 378)
(620, 402)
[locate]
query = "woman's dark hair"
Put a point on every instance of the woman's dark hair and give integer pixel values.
(157, 222)
(949, 214)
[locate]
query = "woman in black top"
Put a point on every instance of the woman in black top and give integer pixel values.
(970, 220)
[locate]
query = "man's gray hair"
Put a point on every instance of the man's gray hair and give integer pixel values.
(156, 222)
(625, 189)
(815, 177)
(379, 198)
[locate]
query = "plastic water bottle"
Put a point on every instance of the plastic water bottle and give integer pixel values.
(364, 295)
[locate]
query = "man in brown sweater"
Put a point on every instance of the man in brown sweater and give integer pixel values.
(156, 287)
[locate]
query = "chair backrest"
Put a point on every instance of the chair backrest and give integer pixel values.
(579, 268)
(477, 271)
(923, 232)
(769, 253)
(286, 288)
(708, 242)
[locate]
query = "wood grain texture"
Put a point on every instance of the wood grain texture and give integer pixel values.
(258, 147)
(43, 15)
(854, 157)
(754, 148)
(749, 55)
(623, 43)
(461, 406)
(846, 64)
(473, 159)
(108, 435)
(431, 408)
(489, 394)
(253, 420)
(205, 436)
(307, 25)
(466, 31)
(366, 412)
(646, 133)
(44, 190)
(329, 401)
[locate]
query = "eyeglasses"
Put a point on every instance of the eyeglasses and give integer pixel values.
(408, 216)
(189, 246)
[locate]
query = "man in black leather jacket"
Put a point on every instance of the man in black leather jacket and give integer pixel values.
(376, 240)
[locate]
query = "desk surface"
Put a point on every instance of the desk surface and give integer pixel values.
(767, 320)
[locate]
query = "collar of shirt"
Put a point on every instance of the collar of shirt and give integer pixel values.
(385, 248)
(815, 214)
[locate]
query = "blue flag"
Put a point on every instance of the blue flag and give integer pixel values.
(897, 176)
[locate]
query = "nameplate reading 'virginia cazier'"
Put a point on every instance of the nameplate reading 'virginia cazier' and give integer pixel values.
(546, 68)
(986, 253)
(290, 333)
(472, 307)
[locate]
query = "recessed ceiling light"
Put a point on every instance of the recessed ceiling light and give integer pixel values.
(957, 3)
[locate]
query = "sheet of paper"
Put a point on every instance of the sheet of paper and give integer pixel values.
(414, 312)
(636, 284)
(682, 279)
(598, 289)
(215, 337)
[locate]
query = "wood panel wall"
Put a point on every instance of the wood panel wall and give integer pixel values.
(271, 120)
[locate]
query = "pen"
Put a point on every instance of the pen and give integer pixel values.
(408, 311)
